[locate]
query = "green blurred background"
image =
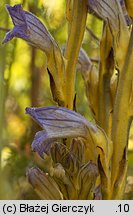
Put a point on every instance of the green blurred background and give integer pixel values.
(24, 82)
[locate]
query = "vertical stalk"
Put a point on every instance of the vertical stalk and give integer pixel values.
(105, 73)
(76, 33)
(69, 4)
(121, 121)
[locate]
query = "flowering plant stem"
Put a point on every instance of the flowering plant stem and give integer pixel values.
(105, 73)
(77, 29)
(121, 124)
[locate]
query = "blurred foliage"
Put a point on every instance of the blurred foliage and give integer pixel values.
(24, 82)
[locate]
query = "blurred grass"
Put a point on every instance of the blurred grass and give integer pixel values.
(24, 82)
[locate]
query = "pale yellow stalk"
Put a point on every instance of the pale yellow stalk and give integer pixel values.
(76, 33)
(121, 123)
(105, 73)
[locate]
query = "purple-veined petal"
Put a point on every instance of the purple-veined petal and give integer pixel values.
(103, 8)
(109, 11)
(29, 28)
(59, 122)
(41, 144)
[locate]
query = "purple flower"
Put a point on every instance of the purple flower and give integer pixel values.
(110, 11)
(28, 27)
(58, 122)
